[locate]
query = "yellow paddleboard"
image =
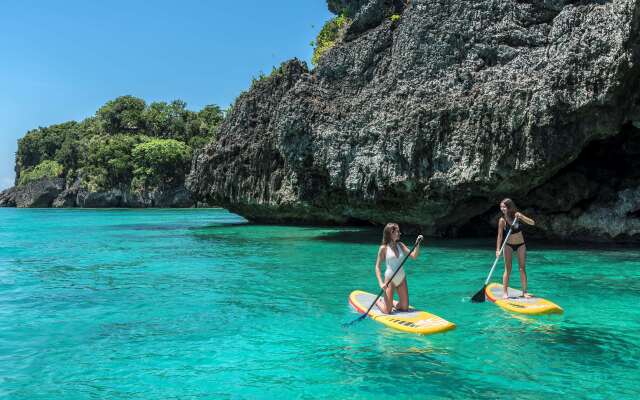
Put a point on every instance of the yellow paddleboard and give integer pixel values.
(523, 305)
(414, 321)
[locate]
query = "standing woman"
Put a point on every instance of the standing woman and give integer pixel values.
(510, 219)
(393, 251)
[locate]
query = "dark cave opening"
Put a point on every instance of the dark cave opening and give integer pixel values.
(603, 169)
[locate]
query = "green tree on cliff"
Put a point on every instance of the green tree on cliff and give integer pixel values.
(45, 169)
(43, 143)
(122, 115)
(108, 160)
(161, 161)
(202, 127)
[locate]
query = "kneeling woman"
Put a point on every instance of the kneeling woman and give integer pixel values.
(393, 251)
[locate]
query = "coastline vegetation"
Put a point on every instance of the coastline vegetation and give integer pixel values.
(126, 144)
(328, 36)
(45, 169)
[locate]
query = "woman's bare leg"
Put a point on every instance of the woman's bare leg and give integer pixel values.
(386, 305)
(522, 258)
(508, 253)
(403, 296)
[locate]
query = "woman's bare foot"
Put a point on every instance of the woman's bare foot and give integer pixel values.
(526, 295)
(505, 296)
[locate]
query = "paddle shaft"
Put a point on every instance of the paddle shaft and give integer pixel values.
(392, 276)
(501, 248)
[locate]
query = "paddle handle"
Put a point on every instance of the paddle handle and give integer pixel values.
(501, 248)
(392, 276)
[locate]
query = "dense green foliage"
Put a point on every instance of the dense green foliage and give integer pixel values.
(328, 36)
(46, 169)
(108, 160)
(124, 142)
(123, 114)
(159, 161)
(46, 143)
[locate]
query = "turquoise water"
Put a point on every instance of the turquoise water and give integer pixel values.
(196, 304)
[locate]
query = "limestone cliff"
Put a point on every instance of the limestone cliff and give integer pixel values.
(49, 192)
(431, 119)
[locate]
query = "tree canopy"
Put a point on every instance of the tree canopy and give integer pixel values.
(160, 161)
(126, 141)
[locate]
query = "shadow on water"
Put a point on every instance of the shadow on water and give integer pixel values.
(354, 236)
(549, 244)
(368, 235)
(373, 235)
(221, 225)
(252, 234)
(147, 238)
(148, 227)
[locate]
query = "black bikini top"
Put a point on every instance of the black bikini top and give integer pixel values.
(515, 228)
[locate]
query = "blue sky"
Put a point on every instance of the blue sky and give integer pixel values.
(61, 61)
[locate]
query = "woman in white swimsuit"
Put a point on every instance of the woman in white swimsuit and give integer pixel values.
(393, 251)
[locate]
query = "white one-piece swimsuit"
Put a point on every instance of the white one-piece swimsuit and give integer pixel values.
(393, 263)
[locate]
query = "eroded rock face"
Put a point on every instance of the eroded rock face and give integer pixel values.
(163, 197)
(432, 119)
(8, 197)
(595, 198)
(38, 194)
(52, 193)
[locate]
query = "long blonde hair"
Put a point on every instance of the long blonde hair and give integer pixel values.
(511, 208)
(386, 233)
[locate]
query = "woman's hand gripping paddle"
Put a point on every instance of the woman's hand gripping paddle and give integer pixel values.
(480, 297)
(363, 316)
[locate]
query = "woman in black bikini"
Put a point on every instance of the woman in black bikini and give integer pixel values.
(515, 243)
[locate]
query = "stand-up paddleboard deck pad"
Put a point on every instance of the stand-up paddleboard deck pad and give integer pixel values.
(523, 305)
(414, 321)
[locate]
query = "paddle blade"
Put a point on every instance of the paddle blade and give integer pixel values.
(479, 297)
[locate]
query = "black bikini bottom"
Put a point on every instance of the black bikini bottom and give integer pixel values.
(515, 247)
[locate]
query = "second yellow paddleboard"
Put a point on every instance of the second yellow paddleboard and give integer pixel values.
(524, 305)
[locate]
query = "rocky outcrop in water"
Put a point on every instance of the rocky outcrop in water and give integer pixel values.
(8, 197)
(37, 194)
(52, 193)
(432, 119)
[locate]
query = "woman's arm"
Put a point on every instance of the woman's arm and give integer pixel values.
(499, 239)
(378, 261)
(416, 250)
(525, 219)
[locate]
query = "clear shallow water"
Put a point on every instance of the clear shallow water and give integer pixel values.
(196, 304)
